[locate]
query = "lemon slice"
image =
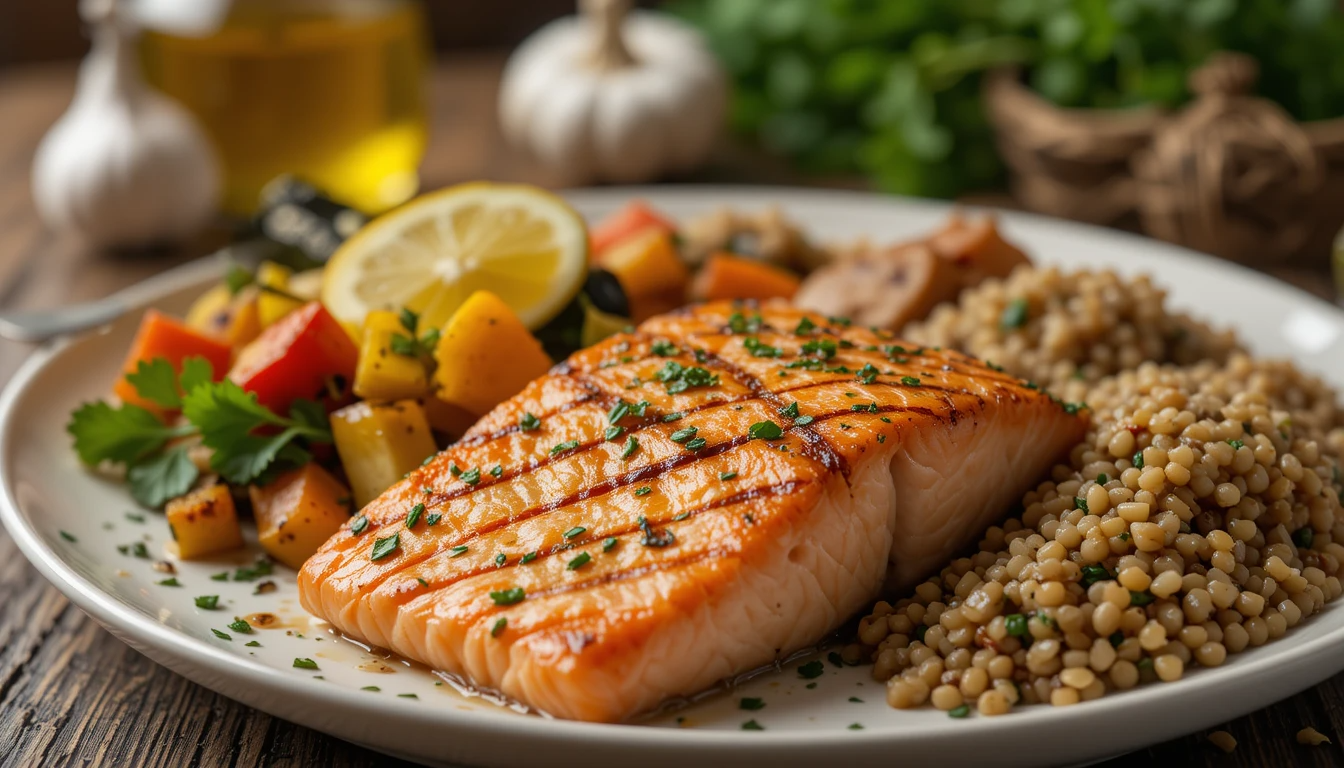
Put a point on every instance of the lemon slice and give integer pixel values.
(521, 243)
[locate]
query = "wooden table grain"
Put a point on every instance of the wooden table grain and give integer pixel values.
(72, 694)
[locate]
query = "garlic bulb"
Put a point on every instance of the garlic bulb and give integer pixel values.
(124, 165)
(614, 96)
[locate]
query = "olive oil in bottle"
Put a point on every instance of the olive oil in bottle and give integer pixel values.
(331, 91)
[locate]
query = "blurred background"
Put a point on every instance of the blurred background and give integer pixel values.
(1216, 124)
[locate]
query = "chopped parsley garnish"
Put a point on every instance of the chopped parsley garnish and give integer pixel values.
(241, 626)
(751, 704)
(1124, 536)
(1103, 479)
(1236, 444)
(911, 381)
(803, 421)
(631, 445)
(643, 491)
(790, 410)
(454, 470)
(1014, 315)
(577, 530)
(169, 582)
(529, 422)
(823, 349)
(207, 602)
(757, 348)
(423, 583)
(501, 559)
(136, 517)
(568, 445)
(805, 326)
(1137, 461)
(836, 659)
(407, 696)
(855, 700)
(221, 635)
(881, 438)
(609, 544)
(252, 644)
(1080, 503)
(1094, 573)
(500, 624)
(471, 476)
(618, 411)
(508, 596)
(614, 431)
(663, 348)
(580, 560)
(221, 576)
(673, 416)
(1016, 624)
(727, 475)
(679, 379)
(433, 519)
(752, 725)
(696, 444)
(869, 408)
(384, 547)
(1140, 598)
(639, 408)
(654, 537)
(414, 517)
(811, 670)
(682, 435)
(737, 323)
(959, 711)
(527, 558)
(765, 430)
(305, 664)
(497, 471)
(373, 688)
(680, 517)
(843, 322)
(458, 551)
(68, 537)
(1303, 537)
(859, 726)
(867, 374)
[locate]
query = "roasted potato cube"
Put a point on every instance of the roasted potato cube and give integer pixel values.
(486, 355)
(272, 306)
(204, 522)
(298, 511)
(383, 373)
(378, 444)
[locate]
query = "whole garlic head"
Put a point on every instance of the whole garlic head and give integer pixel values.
(125, 165)
(614, 95)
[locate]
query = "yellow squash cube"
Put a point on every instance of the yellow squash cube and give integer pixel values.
(647, 266)
(273, 306)
(485, 355)
(204, 522)
(298, 511)
(383, 374)
(232, 318)
(379, 444)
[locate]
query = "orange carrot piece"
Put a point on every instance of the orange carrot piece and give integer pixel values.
(165, 337)
(725, 276)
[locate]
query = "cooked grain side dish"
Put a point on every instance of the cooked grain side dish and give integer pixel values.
(1197, 518)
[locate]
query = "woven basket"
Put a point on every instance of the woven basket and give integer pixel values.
(1229, 174)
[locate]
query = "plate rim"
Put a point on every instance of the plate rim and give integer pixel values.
(143, 633)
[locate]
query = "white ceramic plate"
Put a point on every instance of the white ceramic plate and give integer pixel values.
(45, 492)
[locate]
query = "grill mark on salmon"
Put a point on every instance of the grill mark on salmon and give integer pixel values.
(787, 559)
(739, 497)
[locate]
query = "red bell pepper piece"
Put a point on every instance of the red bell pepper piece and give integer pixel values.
(634, 217)
(163, 336)
(293, 358)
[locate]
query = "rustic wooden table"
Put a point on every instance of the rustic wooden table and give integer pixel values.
(70, 693)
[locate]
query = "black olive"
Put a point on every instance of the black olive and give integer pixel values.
(606, 293)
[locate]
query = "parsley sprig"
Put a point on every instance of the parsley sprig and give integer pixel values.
(248, 441)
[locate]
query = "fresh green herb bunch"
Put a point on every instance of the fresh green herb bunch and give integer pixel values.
(1123, 53)
(891, 89)
(888, 89)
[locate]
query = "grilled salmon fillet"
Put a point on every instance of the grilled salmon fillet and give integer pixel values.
(673, 506)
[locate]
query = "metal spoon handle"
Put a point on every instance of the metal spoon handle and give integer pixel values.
(37, 326)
